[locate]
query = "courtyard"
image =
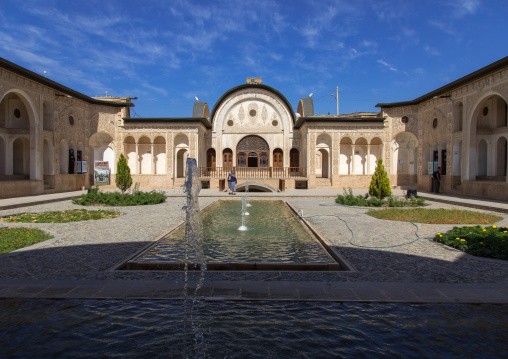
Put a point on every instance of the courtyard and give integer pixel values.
(82, 259)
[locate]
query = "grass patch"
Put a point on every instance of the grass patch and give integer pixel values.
(349, 199)
(74, 215)
(16, 238)
(137, 198)
(434, 216)
(488, 242)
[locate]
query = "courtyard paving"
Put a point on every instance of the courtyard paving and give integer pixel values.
(81, 261)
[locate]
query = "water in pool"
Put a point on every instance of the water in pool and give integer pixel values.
(155, 329)
(273, 234)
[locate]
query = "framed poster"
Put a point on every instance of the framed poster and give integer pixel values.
(101, 173)
(431, 167)
(78, 170)
(84, 166)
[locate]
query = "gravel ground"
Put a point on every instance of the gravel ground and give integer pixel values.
(378, 249)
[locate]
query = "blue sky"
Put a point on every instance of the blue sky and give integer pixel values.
(169, 51)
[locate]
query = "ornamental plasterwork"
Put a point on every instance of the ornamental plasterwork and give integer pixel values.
(252, 99)
(264, 114)
(241, 115)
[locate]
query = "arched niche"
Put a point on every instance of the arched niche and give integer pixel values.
(145, 155)
(346, 154)
(487, 123)
(160, 154)
(404, 158)
(360, 156)
(129, 148)
(375, 153)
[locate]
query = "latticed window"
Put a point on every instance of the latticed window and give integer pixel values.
(252, 143)
(242, 160)
(263, 160)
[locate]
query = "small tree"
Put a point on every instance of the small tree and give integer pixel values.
(380, 183)
(123, 177)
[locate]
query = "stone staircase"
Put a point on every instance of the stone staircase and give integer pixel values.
(179, 182)
(323, 183)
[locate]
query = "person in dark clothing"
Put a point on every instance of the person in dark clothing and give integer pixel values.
(437, 179)
(72, 160)
(232, 183)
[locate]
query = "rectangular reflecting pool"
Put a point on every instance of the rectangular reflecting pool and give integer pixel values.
(83, 328)
(275, 239)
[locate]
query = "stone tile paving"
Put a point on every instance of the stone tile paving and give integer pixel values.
(89, 250)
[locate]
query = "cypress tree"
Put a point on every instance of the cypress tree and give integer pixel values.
(123, 177)
(380, 183)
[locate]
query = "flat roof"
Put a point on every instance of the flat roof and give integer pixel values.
(12, 67)
(484, 71)
(202, 120)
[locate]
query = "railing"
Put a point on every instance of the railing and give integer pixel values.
(253, 172)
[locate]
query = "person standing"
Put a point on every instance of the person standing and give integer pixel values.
(72, 160)
(437, 179)
(232, 183)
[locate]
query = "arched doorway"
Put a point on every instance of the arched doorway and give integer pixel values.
(211, 159)
(323, 147)
(3, 158)
(323, 155)
(21, 156)
(252, 151)
(181, 143)
(501, 157)
(277, 158)
(181, 158)
(227, 158)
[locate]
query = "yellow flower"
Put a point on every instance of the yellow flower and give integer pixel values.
(470, 226)
(494, 227)
(484, 230)
(457, 238)
(462, 240)
(481, 242)
(440, 233)
(505, 231)
(470, 232)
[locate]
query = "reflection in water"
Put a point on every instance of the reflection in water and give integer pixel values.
(274, 235)
(148, 329)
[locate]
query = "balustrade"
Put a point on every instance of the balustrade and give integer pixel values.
(253, 172)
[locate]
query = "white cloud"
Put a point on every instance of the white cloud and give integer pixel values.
(446, 28)
(431, 50)
(387, 65)
(465, 7)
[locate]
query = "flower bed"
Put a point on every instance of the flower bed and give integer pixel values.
(489, 242)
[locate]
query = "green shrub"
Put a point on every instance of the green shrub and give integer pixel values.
(123, 177)
(380, 183)
(349, 199)
(489, 242)
(137, 198)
